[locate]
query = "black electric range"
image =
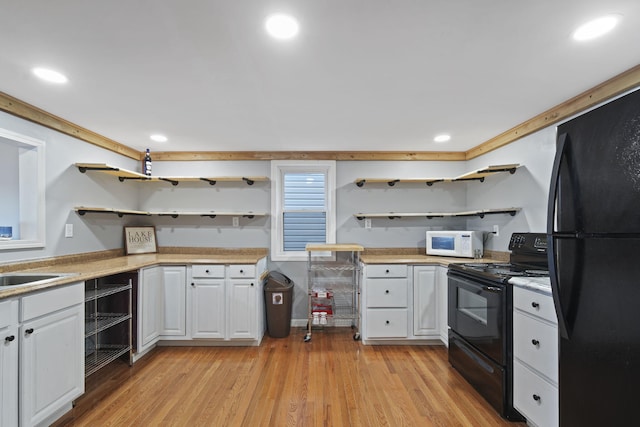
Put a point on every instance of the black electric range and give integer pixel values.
(480, 309)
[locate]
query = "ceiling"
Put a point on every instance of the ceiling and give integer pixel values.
(363, 75)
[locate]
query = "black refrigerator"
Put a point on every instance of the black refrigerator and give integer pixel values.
(594, 263)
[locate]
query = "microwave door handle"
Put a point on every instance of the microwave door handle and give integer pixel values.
(494, 289)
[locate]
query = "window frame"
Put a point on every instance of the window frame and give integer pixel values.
(31, 172)
(278, 169)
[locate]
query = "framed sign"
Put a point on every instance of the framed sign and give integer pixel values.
(140, 240)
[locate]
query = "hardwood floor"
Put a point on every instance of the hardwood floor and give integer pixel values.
(330, 381)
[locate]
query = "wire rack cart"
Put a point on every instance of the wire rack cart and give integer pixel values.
(333, 286)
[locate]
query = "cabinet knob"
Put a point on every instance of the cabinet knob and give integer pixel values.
(10, 338)
(206, 271)
(252, 284)
(386, 271)
(193, 284)
(241, 271)
(536, 398)
(535, 304)
(387, 322)
(535, 342)
(28, 331)
(387, 291)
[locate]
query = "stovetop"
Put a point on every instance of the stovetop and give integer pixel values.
(498, 271)
(528, 259)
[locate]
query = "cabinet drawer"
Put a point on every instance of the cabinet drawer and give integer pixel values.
(386, 323)
(49, 301)
(387, 293)
(240, 271)
(536, 344)
(534, 303)
(534, 397)
(386, 270)
(205, 270)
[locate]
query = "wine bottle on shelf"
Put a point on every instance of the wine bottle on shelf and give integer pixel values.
(146, 163)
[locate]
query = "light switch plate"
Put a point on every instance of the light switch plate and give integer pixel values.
(367, 223)
(236, 221)
(68, 230)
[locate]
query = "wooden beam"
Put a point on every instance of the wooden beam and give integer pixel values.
(615, 86)
(307, 155)
(34, 114)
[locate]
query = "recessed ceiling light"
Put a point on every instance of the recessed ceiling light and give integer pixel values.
(596, 28)
(49, 75)
(281, 26)
(442, 138)
(158, 138)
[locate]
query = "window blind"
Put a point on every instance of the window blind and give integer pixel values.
(304, 210)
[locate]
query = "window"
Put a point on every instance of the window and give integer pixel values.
(303, 207)
(22, 192)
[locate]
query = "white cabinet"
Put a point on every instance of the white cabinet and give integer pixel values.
(404, 303)
(9, 363)
(51, 353)
(149, 307)
(425, 302)
(227, 302)
(385, 296)
(174, 301)
(208, 303)
(535, 351)
(442, 285)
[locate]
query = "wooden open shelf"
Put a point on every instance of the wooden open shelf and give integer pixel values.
(124, 175)
(477, 175)
(397, 215)
(82, 210)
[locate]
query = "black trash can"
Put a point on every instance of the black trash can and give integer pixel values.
(278, 298)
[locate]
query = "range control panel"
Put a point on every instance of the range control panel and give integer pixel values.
(534, 242)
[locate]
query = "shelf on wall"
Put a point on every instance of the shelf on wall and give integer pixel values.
(124, 175)
(82, 210)
(397, 215)
(477, 175)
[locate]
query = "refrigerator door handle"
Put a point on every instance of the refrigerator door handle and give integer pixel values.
(551, 251)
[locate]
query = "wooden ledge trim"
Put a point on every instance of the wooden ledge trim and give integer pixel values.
(34, 114)
(307, 155)
(615, 86)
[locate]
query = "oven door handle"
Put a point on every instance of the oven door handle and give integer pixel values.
(494, 289)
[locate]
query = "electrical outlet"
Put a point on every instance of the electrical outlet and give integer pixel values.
(496, 230)
(68, 230)
(236, 221)
(367, 223)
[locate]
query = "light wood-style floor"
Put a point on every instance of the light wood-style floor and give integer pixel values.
(330, 381)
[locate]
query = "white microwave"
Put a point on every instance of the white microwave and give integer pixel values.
(454, 243)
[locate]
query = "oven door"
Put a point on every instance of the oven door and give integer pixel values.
(477, 311)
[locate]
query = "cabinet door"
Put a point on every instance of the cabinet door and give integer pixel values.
(9, 363)
(51, 364)
(425, 302)
(242, 309)
(442, 285)
(149, 307)
(174, 297)
(208, 309)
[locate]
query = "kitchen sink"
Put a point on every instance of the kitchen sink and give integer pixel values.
(15, 279)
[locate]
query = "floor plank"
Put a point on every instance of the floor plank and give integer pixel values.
(330, 381)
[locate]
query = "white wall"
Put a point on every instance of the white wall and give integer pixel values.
(67, 188)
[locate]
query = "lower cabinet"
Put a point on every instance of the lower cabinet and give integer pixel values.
(203, 302)
(9, 343)
(403, 302)
(535, 352)
(51, 353)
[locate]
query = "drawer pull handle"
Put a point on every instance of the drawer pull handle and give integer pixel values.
(29, 331)
(241, 271)
(535, 305)
(10, 338)
(386, 271)
(536, 398)
(535, 342)
(206, 271)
